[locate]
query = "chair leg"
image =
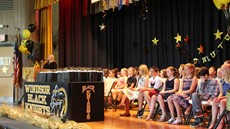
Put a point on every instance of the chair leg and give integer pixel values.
(189, 118)
(141, 112)
(155, 111)
(209, 120)
(183, 115)
(220, 118)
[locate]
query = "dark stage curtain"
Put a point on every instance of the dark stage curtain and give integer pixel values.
(126, 40)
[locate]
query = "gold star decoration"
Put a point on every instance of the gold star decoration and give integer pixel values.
(4, 69)
(102, 26)
(218, 34)
(201, 49)
(155, 41)
(178, 38)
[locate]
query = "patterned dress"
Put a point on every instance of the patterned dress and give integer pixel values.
(183, 100)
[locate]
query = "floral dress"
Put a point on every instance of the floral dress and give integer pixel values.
(183, 100)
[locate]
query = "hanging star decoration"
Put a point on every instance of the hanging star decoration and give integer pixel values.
(186, 39)
(4, 69)
(178, 38)
(218, 34)
(155, 41)
(178, 45)
(102, 26)
(201, 49)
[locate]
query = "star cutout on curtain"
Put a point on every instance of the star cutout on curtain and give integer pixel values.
(201, 49)
(4, 69)
(186, 39)
(178, 38)
(155, 41)
(102, 26)
(218, 34)
(178, 45)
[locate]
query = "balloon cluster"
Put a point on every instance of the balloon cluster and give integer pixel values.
(224, 5)
(220, 3)
(27, 45)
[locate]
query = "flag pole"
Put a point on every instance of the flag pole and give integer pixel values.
(17, 67)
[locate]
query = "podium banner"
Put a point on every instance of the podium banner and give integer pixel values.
(47, 98)
(78, 101)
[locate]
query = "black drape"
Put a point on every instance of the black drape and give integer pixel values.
(126, 40)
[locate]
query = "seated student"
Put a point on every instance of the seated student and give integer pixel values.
(221, 101)
(181, 98)
(121, 83)
(170, 87)
(208, 88)
(218, 74)
(181, 71)
(108, 82)
(131, 83)
(212, 71)
(155, 84)
(133, 93)
(163, 75)
(105, 73)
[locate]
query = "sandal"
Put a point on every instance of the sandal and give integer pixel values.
(148, 118)
(125, 114)
(163, 118)
(177, 122)
(171, 120)
(211, 126)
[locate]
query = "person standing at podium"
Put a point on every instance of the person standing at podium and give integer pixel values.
(50, 62)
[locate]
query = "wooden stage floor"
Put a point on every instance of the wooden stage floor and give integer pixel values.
(114, 121)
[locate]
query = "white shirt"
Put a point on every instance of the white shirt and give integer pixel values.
(155, 82)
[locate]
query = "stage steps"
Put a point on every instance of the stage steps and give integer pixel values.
(6, 123)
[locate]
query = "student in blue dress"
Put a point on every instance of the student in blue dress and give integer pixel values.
(220, 102)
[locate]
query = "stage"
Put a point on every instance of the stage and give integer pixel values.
(114, 121)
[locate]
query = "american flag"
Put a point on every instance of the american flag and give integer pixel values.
(16, 61)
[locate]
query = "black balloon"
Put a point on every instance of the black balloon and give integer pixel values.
(31, 28)
(30, 45)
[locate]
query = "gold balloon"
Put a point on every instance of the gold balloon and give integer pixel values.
(26, 34)
(223, 1)
(23, 42)
(218, 4)
(23, 49)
